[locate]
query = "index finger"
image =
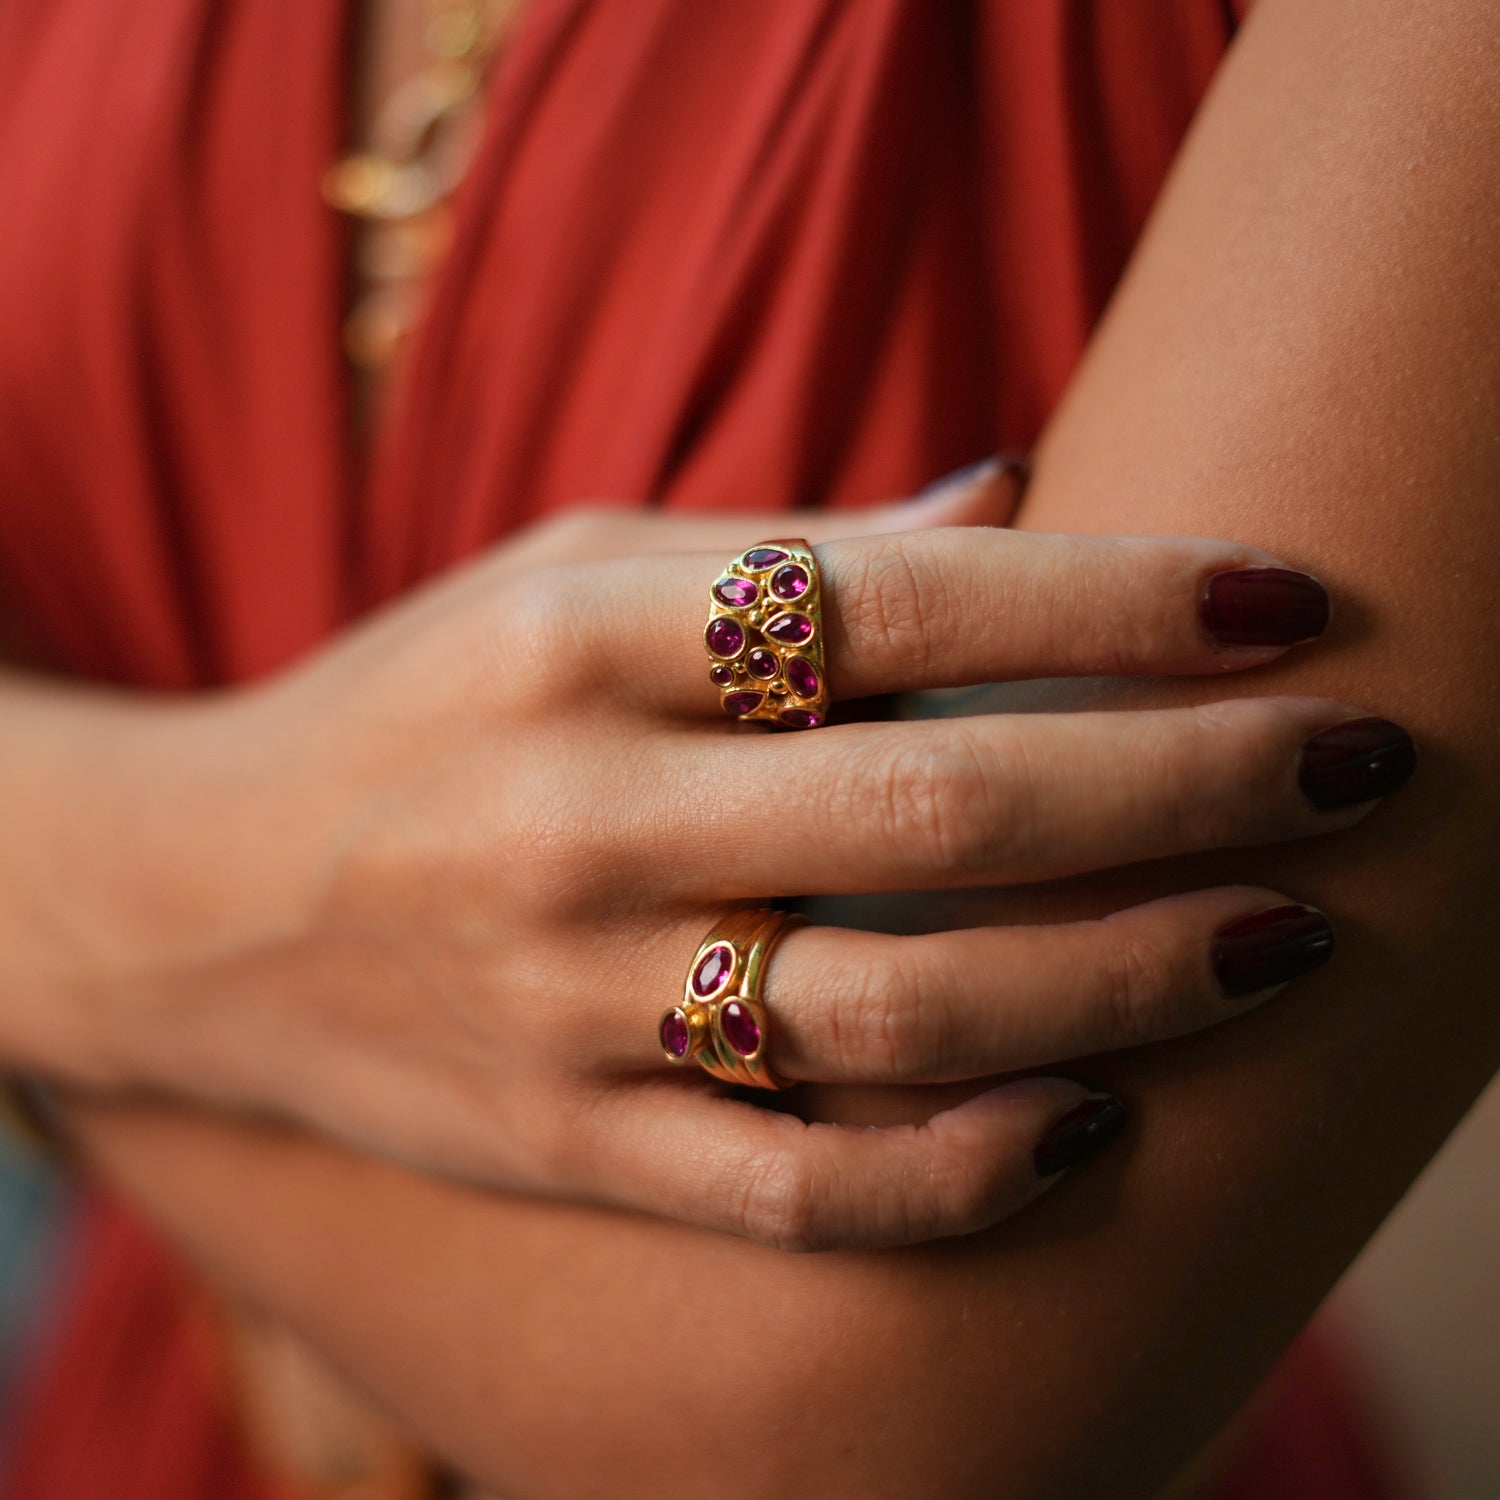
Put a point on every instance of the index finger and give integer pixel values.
(965, 605)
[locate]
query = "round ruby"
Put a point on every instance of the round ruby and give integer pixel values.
(675, 1035)
(801, 718)
(802, 677)
(741, 703)
(725, 637)
(736, 592)
(790, 582)
(720, 675)
(713, 971)
(790, 629)
(740, 1028)
(758, 559)
(763, 664)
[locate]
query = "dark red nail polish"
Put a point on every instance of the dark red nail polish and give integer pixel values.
(1356, 762)
(1270, 948)
(1263, 607)
(1084, 1131)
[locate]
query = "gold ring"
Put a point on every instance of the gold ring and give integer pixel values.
(722, 1023)
(765, 636)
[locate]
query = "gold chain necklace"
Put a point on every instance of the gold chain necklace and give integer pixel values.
(423, 140)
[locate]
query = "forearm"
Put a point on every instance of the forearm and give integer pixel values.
(1304, 358)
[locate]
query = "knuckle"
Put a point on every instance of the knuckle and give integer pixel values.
(531, 621)
(939, 805)
(883, 1020)
(1113, 624)
(780, 1204)
(1136, 989)
(962, 1197)
(887, 607)
(952, 1191)
(1239, 750)
(584, 531)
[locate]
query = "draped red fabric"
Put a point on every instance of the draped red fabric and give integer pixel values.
(759, 254)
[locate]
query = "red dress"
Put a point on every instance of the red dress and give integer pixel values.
(756, 254)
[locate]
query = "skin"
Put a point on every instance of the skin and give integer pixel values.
(1302, 356)
(399, 930)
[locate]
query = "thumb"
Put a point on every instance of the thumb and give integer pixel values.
(980, 494)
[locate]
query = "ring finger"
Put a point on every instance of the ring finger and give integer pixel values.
(858, 1007)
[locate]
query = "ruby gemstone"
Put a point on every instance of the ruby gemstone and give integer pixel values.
(758, 559)
(763, 664)
(742, 703)
(790, 629)
(720, 675)
(802, 677)
(713, 971)
(736, 592)
(675, 1035)
(790, 582)
(725, 637)
(801, 718)
(740, 1029)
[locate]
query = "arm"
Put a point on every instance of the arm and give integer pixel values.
(1304, 355)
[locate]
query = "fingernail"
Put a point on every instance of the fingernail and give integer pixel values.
(976, 473)
(1263, 607)
(1270, 948)
(1083, 1132)
(1356, 762)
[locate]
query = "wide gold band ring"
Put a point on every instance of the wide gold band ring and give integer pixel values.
(765, 636)
(722, 1023)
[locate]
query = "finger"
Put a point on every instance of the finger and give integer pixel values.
(961, 605)
(1012, 799)
(862, 1007)
(983, 494)
(702, 1159)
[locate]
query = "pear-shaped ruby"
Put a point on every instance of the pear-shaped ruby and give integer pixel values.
(789, 628)
(740, 1028)
(790, 582)
(713, 971)
(725, 637)
(802, 677)
(758, 559)
(736, 592)
(675, 1034)
(762, 663)
(743, 702)
(720, 675)
(800, 718)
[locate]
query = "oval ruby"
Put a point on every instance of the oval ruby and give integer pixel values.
(675, 1034)
(800, 718)
(763, 664)
(740, 1028)
(790, 582)
(802, 677)
(720, 675)
(736, 592)
(758, 559)
(790, 628)
(725, 637)
(714, 971)
(741, 703)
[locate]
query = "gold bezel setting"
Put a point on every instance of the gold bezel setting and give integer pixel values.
(766, 652)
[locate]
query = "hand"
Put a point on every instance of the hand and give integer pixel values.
(476, 843)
